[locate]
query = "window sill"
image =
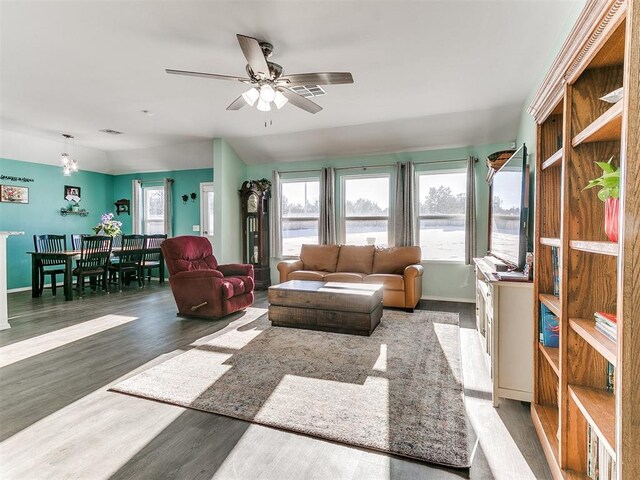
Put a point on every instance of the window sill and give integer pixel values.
(442, 262)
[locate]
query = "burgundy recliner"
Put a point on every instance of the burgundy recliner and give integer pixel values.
(200, 286)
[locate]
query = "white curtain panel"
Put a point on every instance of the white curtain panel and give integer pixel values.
(167, 184)
(276, 220)
(136, 216)
(328, 234)
(405, 211)
(470, 212)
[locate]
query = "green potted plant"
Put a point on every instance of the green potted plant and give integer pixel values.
(609, 193)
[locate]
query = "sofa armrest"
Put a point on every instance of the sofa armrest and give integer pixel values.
(233, 269)
(412, 285)
(413, 271)
(288, 266)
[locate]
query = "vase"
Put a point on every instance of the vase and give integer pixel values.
(75, 208)
(611, 215)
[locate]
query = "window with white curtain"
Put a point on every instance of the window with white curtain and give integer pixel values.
(153, 210)
(442, 199)
(365, 209)
(300, 213)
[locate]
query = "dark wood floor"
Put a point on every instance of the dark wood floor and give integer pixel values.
(57, 419)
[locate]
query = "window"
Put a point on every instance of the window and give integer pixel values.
(153, 210)
(365, 207)
(442, 197)
(300, 214)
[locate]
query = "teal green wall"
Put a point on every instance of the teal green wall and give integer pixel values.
(46, 196)
(441, 279)
(42, 214)
(184, 182)
(230, 172)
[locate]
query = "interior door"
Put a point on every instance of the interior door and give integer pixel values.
(206, 210)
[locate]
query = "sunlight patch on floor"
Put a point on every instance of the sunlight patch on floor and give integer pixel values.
(233, 336)
(381, 362)
(35, 346)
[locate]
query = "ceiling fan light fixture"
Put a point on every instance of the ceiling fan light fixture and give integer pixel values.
(263, 106)
(74, 165)
(64, 158)
(250, 96)
(280, 100)
(267, 93)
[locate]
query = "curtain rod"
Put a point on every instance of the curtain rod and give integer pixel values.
(161, 180)
(376, 166)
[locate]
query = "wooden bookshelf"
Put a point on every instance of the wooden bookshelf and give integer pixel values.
(553, 161)
(607, 127)
(575, 129)
(598, 409)
(552, 302)
(604, 248)
(553, 357)
(600, 342)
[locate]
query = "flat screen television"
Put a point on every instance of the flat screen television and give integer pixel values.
(509, 211)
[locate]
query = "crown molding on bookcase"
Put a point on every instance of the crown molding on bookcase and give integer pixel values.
(597, 21)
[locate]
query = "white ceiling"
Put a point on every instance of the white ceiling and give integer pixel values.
(427, 74)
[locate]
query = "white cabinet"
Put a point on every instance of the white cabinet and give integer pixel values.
(505, 324)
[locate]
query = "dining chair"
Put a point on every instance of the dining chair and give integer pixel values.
(51, 267)
(129, 259)
(94, 261)
(152, 255)
(76, 240)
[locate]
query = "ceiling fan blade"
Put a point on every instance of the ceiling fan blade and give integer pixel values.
(237, 104)
(320, 78)
(299, 101)
(207, 75)
(253, 53)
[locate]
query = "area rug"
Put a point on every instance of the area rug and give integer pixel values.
(398, 391)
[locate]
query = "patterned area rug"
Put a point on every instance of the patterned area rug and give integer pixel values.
(399, 390)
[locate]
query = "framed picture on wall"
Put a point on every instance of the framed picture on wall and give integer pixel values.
(72, 191)
(14, 194)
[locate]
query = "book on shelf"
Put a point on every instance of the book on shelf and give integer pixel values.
(611, 377)
(555, 271)
(600, 465)
(606, 323)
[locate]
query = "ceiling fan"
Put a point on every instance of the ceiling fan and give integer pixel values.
(268, 82)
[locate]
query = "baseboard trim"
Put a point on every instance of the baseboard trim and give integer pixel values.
(448, 299)
(20, 289)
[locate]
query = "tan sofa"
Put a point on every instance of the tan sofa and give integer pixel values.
(397, 268)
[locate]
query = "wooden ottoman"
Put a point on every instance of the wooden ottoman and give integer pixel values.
(354, 308)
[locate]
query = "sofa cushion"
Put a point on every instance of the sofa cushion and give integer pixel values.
(234, 286)
(307, 275)
(344, 277)
(320, 257)
(355, 258)
(389, 280)
(395, 259)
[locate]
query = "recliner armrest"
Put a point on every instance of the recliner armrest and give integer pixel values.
(288, 266)
(192, 274)
(232, 269)
(412, 271)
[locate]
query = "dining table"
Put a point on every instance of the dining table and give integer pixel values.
(67, 256)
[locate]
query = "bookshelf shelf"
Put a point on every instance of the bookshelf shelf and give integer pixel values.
(550, 242)
(553, 161)
(587, 330)
(553, 357)
(604, 248)
(598, 408)
(545, 421)
(552, 302)
(607, 127)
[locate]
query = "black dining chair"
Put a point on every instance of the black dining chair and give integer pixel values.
(152, 256)
(129, 259)
(76, 239)
(53, 268)
(94, 261)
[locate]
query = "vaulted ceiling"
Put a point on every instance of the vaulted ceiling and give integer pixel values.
(427, 73)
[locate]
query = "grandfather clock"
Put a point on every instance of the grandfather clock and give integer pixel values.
(254, 197)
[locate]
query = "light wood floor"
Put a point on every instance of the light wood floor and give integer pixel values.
(57, 419)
